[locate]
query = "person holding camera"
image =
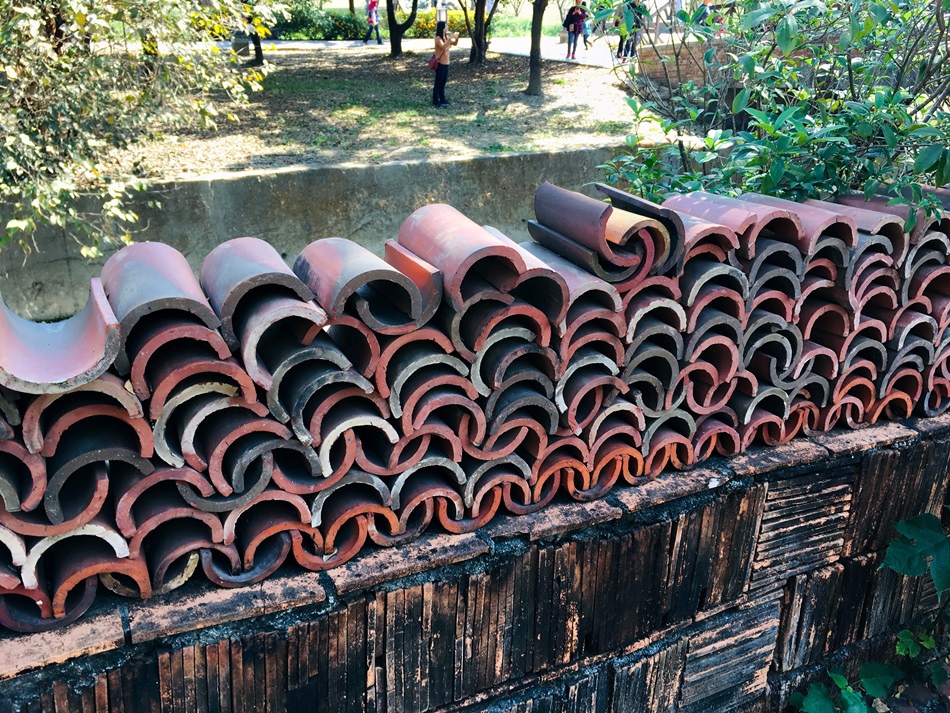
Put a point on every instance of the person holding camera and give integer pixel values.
(443, 46)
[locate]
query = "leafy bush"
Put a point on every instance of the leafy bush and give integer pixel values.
(309, 22)
(508, 26)
(303, 23)
(795, 98)
(424, 26)
(81, 78)
(341, 25)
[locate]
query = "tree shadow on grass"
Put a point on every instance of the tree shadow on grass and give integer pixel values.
(350, 104)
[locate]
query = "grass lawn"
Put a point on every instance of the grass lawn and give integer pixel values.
(355, 103)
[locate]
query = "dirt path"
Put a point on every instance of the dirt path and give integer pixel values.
(352, 103)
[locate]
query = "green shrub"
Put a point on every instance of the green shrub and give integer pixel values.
(424, 26)
(308, 22)
(303, 21)
(510, 26)
(801, 99)
(341, 25)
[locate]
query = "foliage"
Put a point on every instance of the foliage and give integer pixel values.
(512, 7)
(424, 26)
(796, 98)
(303, 21)
(79, 78)
(341, 25)
(920, 548)
(308, 21)
(478, 20)
(508, 26)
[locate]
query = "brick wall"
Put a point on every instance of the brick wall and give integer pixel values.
(720, 589)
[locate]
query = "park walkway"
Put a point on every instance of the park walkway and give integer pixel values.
(600, 54)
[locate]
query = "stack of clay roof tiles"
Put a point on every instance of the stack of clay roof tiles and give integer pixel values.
(257, 414)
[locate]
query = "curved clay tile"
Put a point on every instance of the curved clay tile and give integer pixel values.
(145, 280)
(30, 611)
(748, 220)
(107, 389)
(342, 273)
(190, 363)
(268, 558)
(22, 477)
(816, 221)
(622, 238)
(466, 254)
(50, 358)
(162, 334)
(237, 268)
(681, 237)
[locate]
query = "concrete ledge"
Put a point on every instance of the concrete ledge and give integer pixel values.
(92, 635)
(292, 207)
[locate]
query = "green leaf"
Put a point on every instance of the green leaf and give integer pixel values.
(777, 171)
(786, 34)
(907, 644)
(927, 158)
(878, 679)
(940, 568)
(942, 172)
(909, 224)
(18, 225)
(927, 641)
(880, 13)
(741, 101)
(747, 62)
(924, 529)
(853, 702)
(818, 700)
(841, 681)
(889, 137)
(902, 556)
(757, 17)
(844, 42)
(937, 673)
(925, 132)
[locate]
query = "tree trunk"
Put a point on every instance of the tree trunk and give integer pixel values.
(352, 7)
(396, 31)
(258, 50)
(477, 54)
(55, 25)
(534, 63)
(479, 33)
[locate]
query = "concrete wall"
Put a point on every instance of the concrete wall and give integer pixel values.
(291, 207)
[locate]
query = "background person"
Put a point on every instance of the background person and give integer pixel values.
(633, 13)
(443, 46)
(372, 17)
(587, 28)
(574, 24)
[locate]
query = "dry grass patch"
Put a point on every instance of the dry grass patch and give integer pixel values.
(355, 104)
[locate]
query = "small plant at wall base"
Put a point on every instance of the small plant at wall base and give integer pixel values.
(920, 670)
(793, 98)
